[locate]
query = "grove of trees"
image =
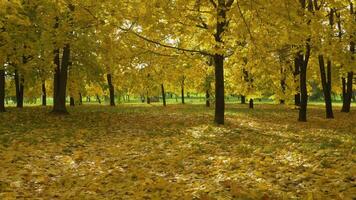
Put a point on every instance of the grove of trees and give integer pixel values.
(281, 49)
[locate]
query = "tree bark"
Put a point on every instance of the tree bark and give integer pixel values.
(251, 104)
(60, 78)
(2, 90)
(283, 85)
(326, 84)
(295, 74)
(111, 90)
(148, 98)
(207, 96)
(71, 101)
(347, 92)
(219, 89)
(303, 85)
(163, 95)
(182, 90)
(98, 99)
(80, 99)
(303, 59)
(19, 81)
(222, 8)
(44, 94)
(243, 99)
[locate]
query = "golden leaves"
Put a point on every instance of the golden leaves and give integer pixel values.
(135, 152)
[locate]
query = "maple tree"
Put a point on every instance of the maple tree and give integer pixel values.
(244, 43)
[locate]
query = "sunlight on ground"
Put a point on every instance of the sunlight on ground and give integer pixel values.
(175, 153)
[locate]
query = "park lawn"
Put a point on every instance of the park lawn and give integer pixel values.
(152, 152)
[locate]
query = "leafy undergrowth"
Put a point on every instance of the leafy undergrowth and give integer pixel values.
(143, 152)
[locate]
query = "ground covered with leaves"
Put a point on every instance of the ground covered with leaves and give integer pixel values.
(151, 152)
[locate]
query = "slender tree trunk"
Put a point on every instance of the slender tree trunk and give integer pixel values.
(295, 74)
(19, 81)
(243, 99)
(326, 84)
(207, 97)
(2, 90)
(71, 101)
(98, 99)
(163, 95)
(111, 90)
(283, 85)
(80, 99)
(182, 91)
(148, 99)
(251, 104)
(347, 92)
(303, 59)
(44, 94)
(303, 88)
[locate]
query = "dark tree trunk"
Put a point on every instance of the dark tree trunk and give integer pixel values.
(71, 101)
(148, 98)
(303, 86)
(60, 78)
(283, 85)
(243, 99)
(222, 7)
(2, 90)
(80, 99)
(163, 95)
(98, 99)
(251, 104)
(347, 86)
(207, 96)
(219, 89)
(295, 74)
(44, 94)
(347, 92)
(111, 90)
(19, 81)
(326, 84)
(182, 91)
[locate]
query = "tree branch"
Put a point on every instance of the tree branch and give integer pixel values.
(167, 46)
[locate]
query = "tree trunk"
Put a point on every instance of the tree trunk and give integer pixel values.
(219, 89)
(303, 90)
(251, 104)
(283, 85)
(80, 99)
(98, 99)
(111, 90)
(207, 96)
(60, 78)
(2, 90)
(295, 74)
(182, 91)
(71, 101)
(326, 84)
(243, 99)
(347, 92)
(163, 95)
(44, 94)
(19, 81)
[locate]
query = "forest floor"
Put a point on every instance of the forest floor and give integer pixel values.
(151, 152)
